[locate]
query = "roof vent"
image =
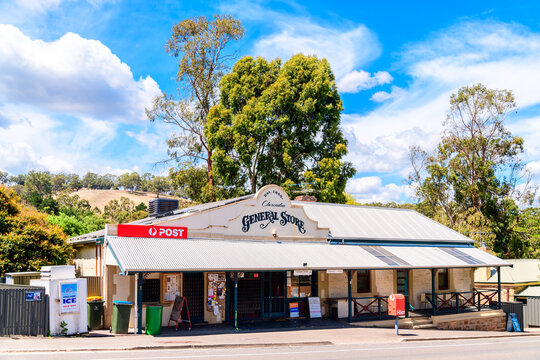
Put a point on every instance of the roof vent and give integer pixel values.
(157, 207)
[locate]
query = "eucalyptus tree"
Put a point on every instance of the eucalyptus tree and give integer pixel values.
(200, 45)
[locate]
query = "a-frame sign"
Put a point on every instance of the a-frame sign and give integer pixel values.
(180, 312)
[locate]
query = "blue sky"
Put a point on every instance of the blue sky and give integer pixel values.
(76, 75)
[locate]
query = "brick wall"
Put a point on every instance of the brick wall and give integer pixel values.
(489, 323)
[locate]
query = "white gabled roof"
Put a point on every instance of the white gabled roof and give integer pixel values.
(148, 255)
(352, 222)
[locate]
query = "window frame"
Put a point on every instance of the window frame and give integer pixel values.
(366, 274)
(445, 272)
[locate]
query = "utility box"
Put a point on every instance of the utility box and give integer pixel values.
(67, 299)
(396, 305)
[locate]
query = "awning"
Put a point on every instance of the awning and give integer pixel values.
(171, 255)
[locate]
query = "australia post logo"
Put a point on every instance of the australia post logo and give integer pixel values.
(168, 232)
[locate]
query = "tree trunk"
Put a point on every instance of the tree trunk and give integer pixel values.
(210, 177)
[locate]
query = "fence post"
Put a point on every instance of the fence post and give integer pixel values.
(433, 295)
(499, 286)
(379, 306)
(349, 289)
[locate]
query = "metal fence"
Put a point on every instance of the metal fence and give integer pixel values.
(531, 312)
(24, 310)
(93, 285)
(516, 308)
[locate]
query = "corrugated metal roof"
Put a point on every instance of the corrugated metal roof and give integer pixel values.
(530, 291)
(147, 255)
(523, 271)
(376, 223)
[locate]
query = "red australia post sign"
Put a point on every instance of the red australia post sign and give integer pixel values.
(149, 231)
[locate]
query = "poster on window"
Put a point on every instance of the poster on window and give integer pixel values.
(68, 298)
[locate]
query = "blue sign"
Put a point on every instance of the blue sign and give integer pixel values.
(515, 322)
(68, 298)
(32, 295)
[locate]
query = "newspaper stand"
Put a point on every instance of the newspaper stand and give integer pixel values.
(396, 307)
(180, 306)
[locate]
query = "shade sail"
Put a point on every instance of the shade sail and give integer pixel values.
(152, 255)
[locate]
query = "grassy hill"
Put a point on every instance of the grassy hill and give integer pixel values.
(100, 198)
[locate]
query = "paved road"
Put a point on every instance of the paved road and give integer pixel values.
(523, 348)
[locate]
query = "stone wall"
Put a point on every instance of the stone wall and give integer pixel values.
(384, 282)
(486, 321)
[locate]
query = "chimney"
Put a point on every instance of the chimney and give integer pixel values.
(305, 198)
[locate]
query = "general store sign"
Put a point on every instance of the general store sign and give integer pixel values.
(149, 231)
(273, 215)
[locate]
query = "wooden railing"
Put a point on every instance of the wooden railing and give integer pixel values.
(463, 301)
(370, 307)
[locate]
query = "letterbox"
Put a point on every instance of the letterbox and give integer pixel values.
(396, 305)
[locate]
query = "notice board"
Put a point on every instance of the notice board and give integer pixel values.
(172, 287)
(314, 307)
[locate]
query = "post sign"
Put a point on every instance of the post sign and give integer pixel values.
(396, 305)
(149, 231)
(68, 298)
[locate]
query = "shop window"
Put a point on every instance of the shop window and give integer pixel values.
(151, 290)
(444, 283)
(298, 286)
(363, 281)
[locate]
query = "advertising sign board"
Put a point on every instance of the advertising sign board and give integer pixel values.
(293, 310)
(68, 298)
(149, 231)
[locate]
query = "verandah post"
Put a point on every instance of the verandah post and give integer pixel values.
(406, 293)
(349, 285)
(433, 295)
(499, 286)
(236, 300)
(139, 302)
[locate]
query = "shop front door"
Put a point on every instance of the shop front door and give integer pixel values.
(274, 295)
(193, 290)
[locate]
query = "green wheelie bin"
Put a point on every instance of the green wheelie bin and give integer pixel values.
(94, 312)
(121, 314)
(153, 319)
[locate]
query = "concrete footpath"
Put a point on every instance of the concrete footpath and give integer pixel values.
(212, 337)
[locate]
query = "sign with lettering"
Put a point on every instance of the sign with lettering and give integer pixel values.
(149, 231)
(314, 307)
(273, 215)
(68, 298)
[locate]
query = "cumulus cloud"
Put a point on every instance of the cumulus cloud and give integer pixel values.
(381, 96)
(356, 81)
(71, 75)
(347, 46)
(370, 189)
(499, 55)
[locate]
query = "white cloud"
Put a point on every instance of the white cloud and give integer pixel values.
(39, 5)
(381, 96)
(346, 46)
(499, 55)
(344, 49)
(71, 75)
(370, 189)
(356, 81)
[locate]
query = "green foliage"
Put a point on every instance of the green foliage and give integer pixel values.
(280, 124)
(63, 327)
(470, 180)
(200, 45)
(129, 181)
(119, 212)
(192, 182)
(160, 184)
(528, 228)
(27, 240)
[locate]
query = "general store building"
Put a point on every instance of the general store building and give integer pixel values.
(251, 257)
